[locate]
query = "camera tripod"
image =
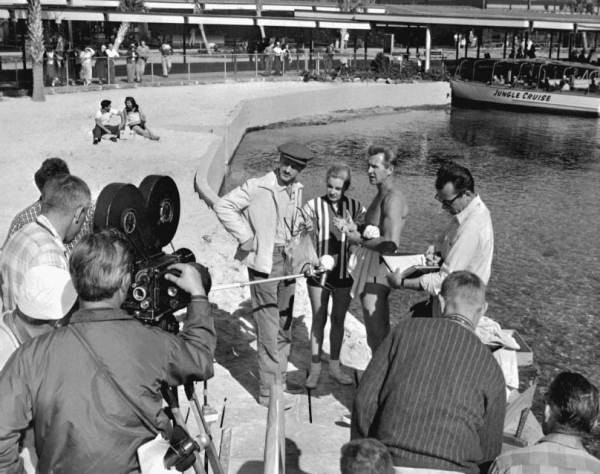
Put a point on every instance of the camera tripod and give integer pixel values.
(183, 448)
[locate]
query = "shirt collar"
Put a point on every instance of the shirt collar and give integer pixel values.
(98, 315)
(46, 224)
(570, 441)
(471, 208)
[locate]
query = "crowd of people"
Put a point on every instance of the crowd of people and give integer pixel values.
(81, 378)
(83, 65)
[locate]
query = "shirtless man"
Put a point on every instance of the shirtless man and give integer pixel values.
(387, 213)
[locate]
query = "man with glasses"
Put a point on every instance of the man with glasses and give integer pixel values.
(468, 241)
(65, 203)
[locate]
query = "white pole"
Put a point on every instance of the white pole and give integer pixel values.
(427, 48)
(227, 286)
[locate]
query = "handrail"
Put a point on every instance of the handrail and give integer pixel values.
(274, 457)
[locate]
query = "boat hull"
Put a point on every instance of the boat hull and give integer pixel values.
(484, 95)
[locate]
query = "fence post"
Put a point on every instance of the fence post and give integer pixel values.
(17, 74)
(151, 72)
(189, 72)
(255, 65)
(67, 71)
(225, 66)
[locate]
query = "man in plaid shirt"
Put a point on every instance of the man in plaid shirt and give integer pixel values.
(51, 167)
(64, 204)
(571, 411)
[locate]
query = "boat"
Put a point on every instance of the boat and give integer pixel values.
(535, 85)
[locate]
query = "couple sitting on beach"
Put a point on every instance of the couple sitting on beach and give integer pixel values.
(131, 117)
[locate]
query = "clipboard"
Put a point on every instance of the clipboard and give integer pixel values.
(412, 266)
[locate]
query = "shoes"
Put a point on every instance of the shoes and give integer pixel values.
(336, 373)
(95, 142)
(313, 375)
(113, 139)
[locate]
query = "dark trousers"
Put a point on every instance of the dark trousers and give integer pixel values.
(98, 132)
(272, 308)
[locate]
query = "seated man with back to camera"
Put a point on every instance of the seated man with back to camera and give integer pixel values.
(571, 411)
(433, 393)
(54, 382)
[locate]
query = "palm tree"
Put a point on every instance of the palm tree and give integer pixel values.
(127, 6)
(35, 31)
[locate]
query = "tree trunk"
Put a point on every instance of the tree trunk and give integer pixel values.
(38, 82)
(36, 38)
(123, 28)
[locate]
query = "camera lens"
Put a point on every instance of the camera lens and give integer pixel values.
(139, 293)
(172, 291)
(145, 304)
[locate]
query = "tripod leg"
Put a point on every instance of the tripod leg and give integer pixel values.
(211, 451)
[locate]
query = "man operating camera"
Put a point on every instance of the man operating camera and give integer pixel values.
(61, 381)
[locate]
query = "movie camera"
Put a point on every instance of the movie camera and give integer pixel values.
(148, 216)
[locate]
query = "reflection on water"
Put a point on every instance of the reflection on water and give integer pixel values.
(538, 174)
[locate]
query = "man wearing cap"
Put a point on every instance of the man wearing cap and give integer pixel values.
(261, 214)
(65, 201)
(46, 297)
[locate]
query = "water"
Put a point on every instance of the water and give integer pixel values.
(538, 174)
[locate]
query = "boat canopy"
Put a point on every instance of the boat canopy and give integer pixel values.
(533, 72)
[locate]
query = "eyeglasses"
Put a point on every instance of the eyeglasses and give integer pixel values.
(447, 202)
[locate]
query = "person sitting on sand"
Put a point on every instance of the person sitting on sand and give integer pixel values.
(135, 119)
(103, 125)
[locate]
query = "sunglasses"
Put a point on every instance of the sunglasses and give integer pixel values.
(448, 202)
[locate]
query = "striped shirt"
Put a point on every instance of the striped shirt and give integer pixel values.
(38, 243)
(331, 241)
(434, 395)
(554, 454)
(30, 214)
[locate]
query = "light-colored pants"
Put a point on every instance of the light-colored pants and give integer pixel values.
(166, 65)
(272, 308)
(140, 68)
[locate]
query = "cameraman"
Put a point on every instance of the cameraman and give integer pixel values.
(81, 423)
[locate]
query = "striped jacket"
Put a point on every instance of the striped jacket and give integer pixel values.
(319, 214)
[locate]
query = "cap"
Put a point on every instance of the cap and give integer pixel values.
(47, 293)
(296, 153)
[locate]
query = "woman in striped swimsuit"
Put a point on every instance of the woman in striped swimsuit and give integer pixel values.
(323, 213)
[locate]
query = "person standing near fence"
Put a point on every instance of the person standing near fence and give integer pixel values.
(102, 65)
(143, 52)
(165, 52)
(132, 56)
(111, 54)
(86, 65)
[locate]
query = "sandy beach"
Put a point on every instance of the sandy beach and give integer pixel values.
(198, 125)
